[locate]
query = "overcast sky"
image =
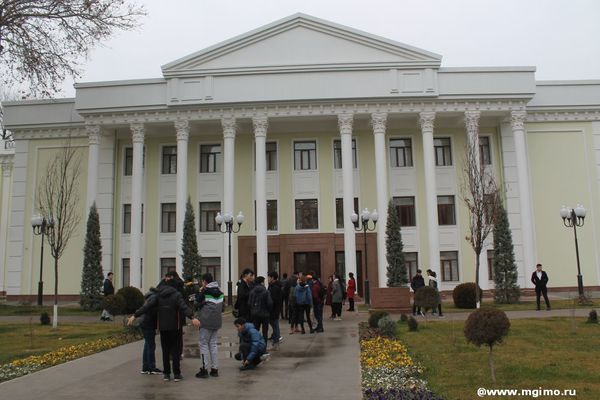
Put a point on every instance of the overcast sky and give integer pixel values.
(561, 38)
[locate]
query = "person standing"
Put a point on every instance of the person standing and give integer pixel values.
(108, 289)
(337, 296)
(540, 279)
(304, 304)
(293, 312)
(285, 296)
(244, 286)
(350, 291)
(417, 283)
(434, 284)
(261, 305)
(210, 314)
(329, 295)
(318, 294)
(276, 295)
(148, 327)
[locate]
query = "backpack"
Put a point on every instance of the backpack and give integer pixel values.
(322, 291)
(262, 305)
(302, 294)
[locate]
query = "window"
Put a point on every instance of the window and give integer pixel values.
(405, 207)
(449, 264)
(337, 154)
(271, 154)
(485, 154)
(128, 164)
(443, 152)
(126, 218)
(211, 265)
(168, 217)
(401, 153)
(308, 262)
(307, 214)
(169, 159)
(489, 208)
(490, 263)
(340, 268)
(273, 262)
(339, 211)
(411, 260)
(208, 212)
(446, 212)
(305, 156)
(271, 215)
(125, 270)
(167, 265)
(210, 158)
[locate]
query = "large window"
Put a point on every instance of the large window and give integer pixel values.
(169, 159)
(167, 265)
(485, 153)
(211, 265)
(307, 214)
(446, 210)
(128, 162)
(273, 263)
(210, 158)
(305, 155)
(127, 219)
(449, 265)
(405, 207)
(401, 153)
(168, 217)
(411, 260)
(126, 268)
(271, 215)
(208, 212)
(337, 154)
(443, 152)
(271, 154)
(339, 211)
(490, 264)
(308, 262)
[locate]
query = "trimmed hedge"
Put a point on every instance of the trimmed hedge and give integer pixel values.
(464, 295)
(133, 297)
(114, 304)
(375, 317)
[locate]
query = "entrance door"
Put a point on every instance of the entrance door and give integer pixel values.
(340, 267)
(307, 262)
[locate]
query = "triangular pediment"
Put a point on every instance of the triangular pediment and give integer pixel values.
(301, 42)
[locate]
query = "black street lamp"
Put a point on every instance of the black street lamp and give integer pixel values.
(573, 218)
(41, 226)
(227, 218)
(365, 217)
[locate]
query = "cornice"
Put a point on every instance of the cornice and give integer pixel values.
(49, 133)
(562, 116)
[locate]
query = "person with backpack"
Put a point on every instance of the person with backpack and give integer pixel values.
(304, 304)
(318, 295)
(210, 314)
(261, 304)
(276, 295)
(337, 297)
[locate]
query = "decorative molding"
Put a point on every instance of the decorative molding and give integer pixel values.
(426, 121)
(93, 132)
(137, 132)
(517, 120)
(7, 166)
(182, 127)
(379, 122)
(260, 125)
(49, 133)
(229, 127)
(345, 122)
(472, 121)
(563, 116)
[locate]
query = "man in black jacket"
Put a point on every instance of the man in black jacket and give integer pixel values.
(276, 296)
(108, 289)
(416, 283)
(171, 308)
(285, 295)
(244, 286)
(148, 326)
(261, 304)
(540, 279)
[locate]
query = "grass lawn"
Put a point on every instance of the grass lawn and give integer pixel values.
(22, 340)
(36, 311)
(553, 353)
(449, 306)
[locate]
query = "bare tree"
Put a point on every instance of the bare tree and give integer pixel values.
(482, 198)
(43, 41)
(58, 201)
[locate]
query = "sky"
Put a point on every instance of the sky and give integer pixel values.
(561, 38)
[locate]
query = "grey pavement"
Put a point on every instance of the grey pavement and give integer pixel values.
(325, 365)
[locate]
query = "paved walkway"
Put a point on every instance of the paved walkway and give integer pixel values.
(325, 365)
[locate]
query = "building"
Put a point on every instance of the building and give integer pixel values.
(297, 124)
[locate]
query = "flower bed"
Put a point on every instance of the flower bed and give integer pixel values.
(388, 371)
(32, 364)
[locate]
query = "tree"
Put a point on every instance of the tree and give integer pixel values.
(43, 41)
(506, 289)
(189, 245)
(396, 270)
(481, 196)
(91, 274)
(58, 201)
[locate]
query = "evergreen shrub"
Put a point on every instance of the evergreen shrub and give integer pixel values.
(375, 317)
(387, 327)
(464, 295)
(413, 325)
(133, 297)
(114, 304)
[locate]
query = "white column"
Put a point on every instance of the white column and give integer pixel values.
(518, 128)
(137, 176)
(345, 125)
(94, 136)
(379, 121)
(260, 136)
(182, 127)
(426, 120)
(229, 130)
(7, 166)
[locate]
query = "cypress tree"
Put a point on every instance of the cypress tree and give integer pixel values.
(190, 259)
(396, 269)
(505, 270)
(91, 274)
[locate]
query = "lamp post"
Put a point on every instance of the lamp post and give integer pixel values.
(365, 217)
(573, 218)
(227, 218)
(41, 226)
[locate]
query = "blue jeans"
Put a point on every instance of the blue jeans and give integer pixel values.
(148, 359)
(276, 333)
(318, 311)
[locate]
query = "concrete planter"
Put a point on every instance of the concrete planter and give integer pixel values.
(393, 300)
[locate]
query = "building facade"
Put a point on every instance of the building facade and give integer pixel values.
(297, 125)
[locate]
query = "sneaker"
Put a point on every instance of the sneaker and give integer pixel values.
(203, 373)
(421, 314)
(238, 356)
(155, 371)
(338, 319)
(319, 330)
(214, 372)
(265, 357)
(145, 372)
(178, 377)
(280, 339)
(247, 367)
(166, 377)
(312, 330)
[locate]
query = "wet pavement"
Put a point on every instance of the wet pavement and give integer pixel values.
(324, 364)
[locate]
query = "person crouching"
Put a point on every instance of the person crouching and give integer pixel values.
(252, 345)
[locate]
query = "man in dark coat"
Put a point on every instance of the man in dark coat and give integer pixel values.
(148, 326)
(276, 295)
(108, 289)
(540, 279)
(285, 298)
(244, 286)
(318, 294)
(261, 305)
(416, 283)
(171, 308)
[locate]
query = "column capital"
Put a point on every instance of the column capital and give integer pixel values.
(182, 127)
(517, 120)
(7, 167)
(229, 127)
(260, 125)
(137, 132)
(93, 132)
(472, 121)
(379, 122)
(426, 120)
(345, 122)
